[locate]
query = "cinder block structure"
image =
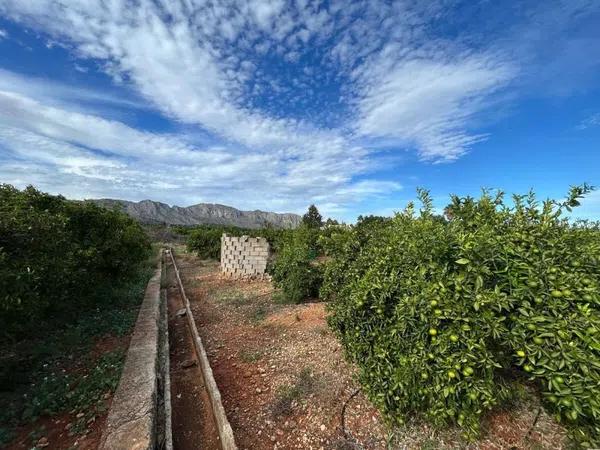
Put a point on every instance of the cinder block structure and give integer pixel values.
(244, 256)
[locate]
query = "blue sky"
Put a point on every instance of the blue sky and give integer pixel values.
(279, 104)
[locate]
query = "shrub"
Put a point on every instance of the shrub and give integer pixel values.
(442, 316)
(205, 240)
(296, 272)
(57, 255)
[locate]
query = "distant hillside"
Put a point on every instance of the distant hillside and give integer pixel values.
(148, 211)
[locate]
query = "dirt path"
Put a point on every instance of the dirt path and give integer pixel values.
(284, 380)
(279, 369)
(192, 420)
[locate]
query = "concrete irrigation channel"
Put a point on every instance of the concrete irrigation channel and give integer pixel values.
(167, 397)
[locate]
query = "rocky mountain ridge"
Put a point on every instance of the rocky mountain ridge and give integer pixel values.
(151, 212)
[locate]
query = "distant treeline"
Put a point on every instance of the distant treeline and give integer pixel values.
(205, 240)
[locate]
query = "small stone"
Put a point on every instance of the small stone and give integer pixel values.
(323, 427)
(258, 390)
(43, 442)
(182, 312)
(80, 415)
(188, 363)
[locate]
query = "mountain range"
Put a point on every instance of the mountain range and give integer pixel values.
(151, 212)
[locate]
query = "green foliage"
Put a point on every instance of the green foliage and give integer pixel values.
(56, 391)
(296, 272)
(59, 391)
(36, 369)
(56, 255)
(441, 316)
(312, 218)
(205, 240)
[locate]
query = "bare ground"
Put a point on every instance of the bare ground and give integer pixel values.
(284, 379)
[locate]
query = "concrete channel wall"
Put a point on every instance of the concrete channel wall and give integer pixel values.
(140, 411)
(223, 426)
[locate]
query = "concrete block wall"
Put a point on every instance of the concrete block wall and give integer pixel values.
(244, 256)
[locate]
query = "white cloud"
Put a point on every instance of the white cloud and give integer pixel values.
(429, 104)
(84, 155)
(191, 71)
(58, 94)
(3, 34)
(589, 122)
(589, 209)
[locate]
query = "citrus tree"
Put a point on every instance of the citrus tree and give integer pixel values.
(295, 271)
(442, 315)
(58, 256)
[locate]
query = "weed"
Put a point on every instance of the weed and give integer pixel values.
(60, 391)
(6, 435)
(430, 444)
(281, 299)
(36, 434)
(345, 444)
(259, 313)
(231, 297)
(323, 331)
(251, 356)
(47, 374)
(288, 394)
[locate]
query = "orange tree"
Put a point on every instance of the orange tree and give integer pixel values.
(57, 257)
(296, 273)
(440, 316)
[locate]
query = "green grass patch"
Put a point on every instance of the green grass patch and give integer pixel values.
(231, 297)
(251, 356)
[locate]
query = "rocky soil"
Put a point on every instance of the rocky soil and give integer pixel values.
(284, 379)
